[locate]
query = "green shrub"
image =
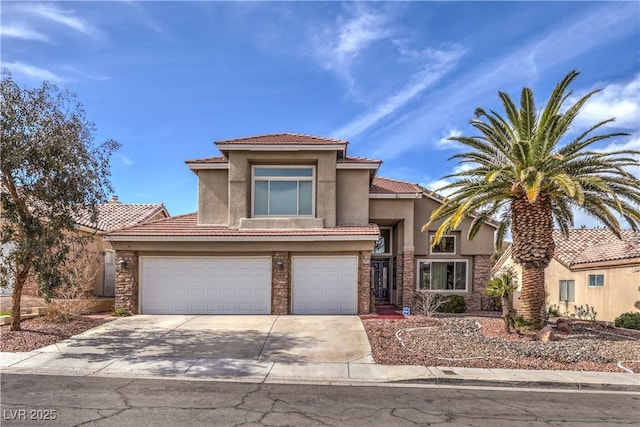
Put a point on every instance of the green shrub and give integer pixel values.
(454, 304)
(628, 320)
(554, 311)
(120, 312)
(522, 323)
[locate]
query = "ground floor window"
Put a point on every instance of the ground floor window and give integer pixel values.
(596, 280)
(568, 290)
(443, 275)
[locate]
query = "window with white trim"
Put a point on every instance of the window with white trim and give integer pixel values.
(447, 245)
(443, 275)
(568, 290)
(595, 280)
(283, 191)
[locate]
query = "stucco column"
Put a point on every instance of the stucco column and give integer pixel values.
(364, 282)
(280, 283)
(408, 275)
(127, 281)
(481, 275)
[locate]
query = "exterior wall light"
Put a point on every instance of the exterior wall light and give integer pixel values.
(122, 264)
(280, 264)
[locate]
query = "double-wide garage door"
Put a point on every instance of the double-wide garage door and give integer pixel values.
(206, 285)
(242, 285)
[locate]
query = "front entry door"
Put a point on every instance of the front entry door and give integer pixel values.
(380, 271)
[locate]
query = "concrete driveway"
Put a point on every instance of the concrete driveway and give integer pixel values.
(263, 338)
(206, 345)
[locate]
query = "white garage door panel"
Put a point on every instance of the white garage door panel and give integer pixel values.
(175, 285)
(325, 285)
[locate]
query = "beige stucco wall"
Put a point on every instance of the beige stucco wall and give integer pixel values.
(384, 210)
(240, 163)
(620, 293)
(352, 196)
(482, 244)
(213, 196)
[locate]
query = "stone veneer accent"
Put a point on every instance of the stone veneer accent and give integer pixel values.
(364, 282)
(281, 283)
(408, 282)
(481, 275)
(127, 281)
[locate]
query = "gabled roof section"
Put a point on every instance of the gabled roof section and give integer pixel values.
(114, 215)
(283, 142)
(186, 228)
(390, 186)
(282, 139)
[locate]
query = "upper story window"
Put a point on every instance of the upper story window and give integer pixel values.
(283, 190)
(446, 246)
(383, 245)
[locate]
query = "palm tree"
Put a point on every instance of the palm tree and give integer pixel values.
(528, 172)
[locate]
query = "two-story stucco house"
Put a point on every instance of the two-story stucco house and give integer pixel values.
(291, 224)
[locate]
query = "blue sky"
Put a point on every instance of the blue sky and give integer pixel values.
(166, 79)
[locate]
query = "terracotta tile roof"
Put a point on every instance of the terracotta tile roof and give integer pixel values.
(218, 159)
(587, 244)
(187, 226)
(356, 159)
(627, 248)
(283, 138)
(115, 215)
(393, 186)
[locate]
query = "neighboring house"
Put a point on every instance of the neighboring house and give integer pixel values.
(111, 216)
(291, 224)
(591, 267)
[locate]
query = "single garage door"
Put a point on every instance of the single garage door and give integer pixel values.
(205, 285)
(325, 285)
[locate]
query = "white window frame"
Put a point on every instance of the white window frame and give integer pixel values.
(568, 300)
(595, 286)
(389, 250)
(431, 261)
(455, 242)
(312, 178)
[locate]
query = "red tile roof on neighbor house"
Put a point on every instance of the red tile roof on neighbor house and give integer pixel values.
(283, 138)
(589, 245)
(187, 226)
(393, 186)
(114, 215)
(209, 160)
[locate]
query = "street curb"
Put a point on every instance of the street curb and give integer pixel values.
(523, 384)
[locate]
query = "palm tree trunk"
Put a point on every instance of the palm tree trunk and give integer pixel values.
(532, 297)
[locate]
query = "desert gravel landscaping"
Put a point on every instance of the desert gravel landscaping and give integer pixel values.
(480, 342)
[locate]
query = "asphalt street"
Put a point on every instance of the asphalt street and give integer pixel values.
(31, 400)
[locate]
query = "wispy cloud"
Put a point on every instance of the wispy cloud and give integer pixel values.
(67, 18)
(126, 160)
(438, 184)
(618, 100)
(445, 143)
(32, 72)
(337, 46)
(471, 89)
(442, 62)
(18, 31)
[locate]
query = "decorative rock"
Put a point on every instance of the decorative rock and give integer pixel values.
(546, 334)
(564, 325)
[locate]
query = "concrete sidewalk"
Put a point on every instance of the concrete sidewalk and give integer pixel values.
(358, 372)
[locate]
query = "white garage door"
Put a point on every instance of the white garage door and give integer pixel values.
(325, 285)
(204, 285)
